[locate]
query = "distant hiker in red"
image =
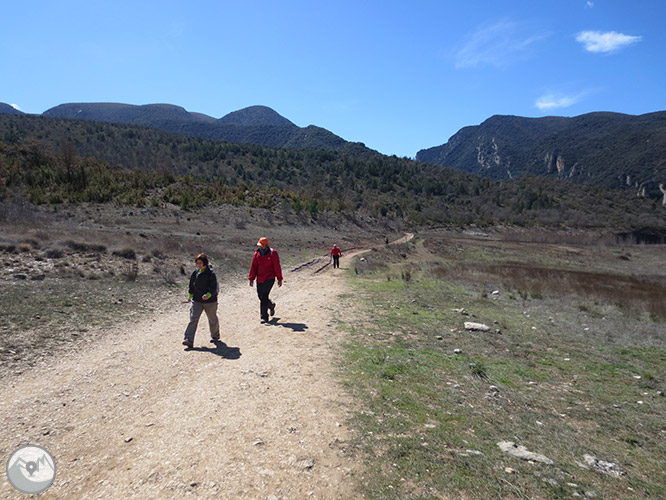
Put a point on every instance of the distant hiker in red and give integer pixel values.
(336, 253)
(202, 294)
(265, 268)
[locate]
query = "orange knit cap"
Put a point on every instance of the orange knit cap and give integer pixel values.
(262, 241)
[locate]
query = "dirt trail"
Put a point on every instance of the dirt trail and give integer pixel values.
(135, 415)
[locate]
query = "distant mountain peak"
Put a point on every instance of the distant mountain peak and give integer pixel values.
(259, 125)
(8, 109)
(255, 115)
(119, 112)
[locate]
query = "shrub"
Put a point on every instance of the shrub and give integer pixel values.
(478, 370)
(54, 253)
(126, 253)
(84, 247)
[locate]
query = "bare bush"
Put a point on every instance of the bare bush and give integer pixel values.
(167, 275)
(132, 272)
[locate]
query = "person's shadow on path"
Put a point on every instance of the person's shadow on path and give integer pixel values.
(221, 349)
(296, 327)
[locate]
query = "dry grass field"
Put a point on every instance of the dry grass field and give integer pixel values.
(571, 367)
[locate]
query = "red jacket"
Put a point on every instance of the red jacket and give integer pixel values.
(336, 251)
(265, 267)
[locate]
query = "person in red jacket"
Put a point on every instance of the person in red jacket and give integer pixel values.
(336, 253)
(265, 268)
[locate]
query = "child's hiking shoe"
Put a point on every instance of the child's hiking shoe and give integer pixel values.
(188, 344)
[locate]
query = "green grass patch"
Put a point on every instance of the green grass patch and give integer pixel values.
(435, 399)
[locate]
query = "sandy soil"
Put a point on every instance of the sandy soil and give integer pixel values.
(136, 415)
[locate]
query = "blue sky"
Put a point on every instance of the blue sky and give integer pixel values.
(397, 75)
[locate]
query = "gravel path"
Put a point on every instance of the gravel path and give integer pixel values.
(136, 415)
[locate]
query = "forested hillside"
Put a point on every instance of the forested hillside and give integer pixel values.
(57, 161)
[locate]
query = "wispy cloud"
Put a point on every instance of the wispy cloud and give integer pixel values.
(606, 43)
(589, 4)
(500, 44)
(554, 101)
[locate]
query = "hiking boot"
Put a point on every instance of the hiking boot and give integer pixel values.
(214, 340)
(264, 320)
(188, 344)
(272, 309)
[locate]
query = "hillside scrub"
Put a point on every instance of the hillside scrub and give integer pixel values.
(57, 161)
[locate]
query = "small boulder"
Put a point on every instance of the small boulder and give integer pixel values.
(608, 468)
(523, 453)
(479, 327)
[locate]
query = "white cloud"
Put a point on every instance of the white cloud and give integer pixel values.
(589, 4)
(608, 42)
(499, 45)
(16, 107)
(554, 101)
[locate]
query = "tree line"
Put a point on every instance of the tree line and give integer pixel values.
(57, 161)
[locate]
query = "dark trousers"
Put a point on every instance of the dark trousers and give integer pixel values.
(263, 289)
(336, 261)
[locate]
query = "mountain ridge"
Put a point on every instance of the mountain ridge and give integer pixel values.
(609, 149)
(258, 125)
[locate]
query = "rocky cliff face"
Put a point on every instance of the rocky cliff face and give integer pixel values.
(605, 149)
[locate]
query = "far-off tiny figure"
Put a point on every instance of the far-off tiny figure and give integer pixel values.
(336, 253)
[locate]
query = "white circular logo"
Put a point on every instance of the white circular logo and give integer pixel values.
(31, 469)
